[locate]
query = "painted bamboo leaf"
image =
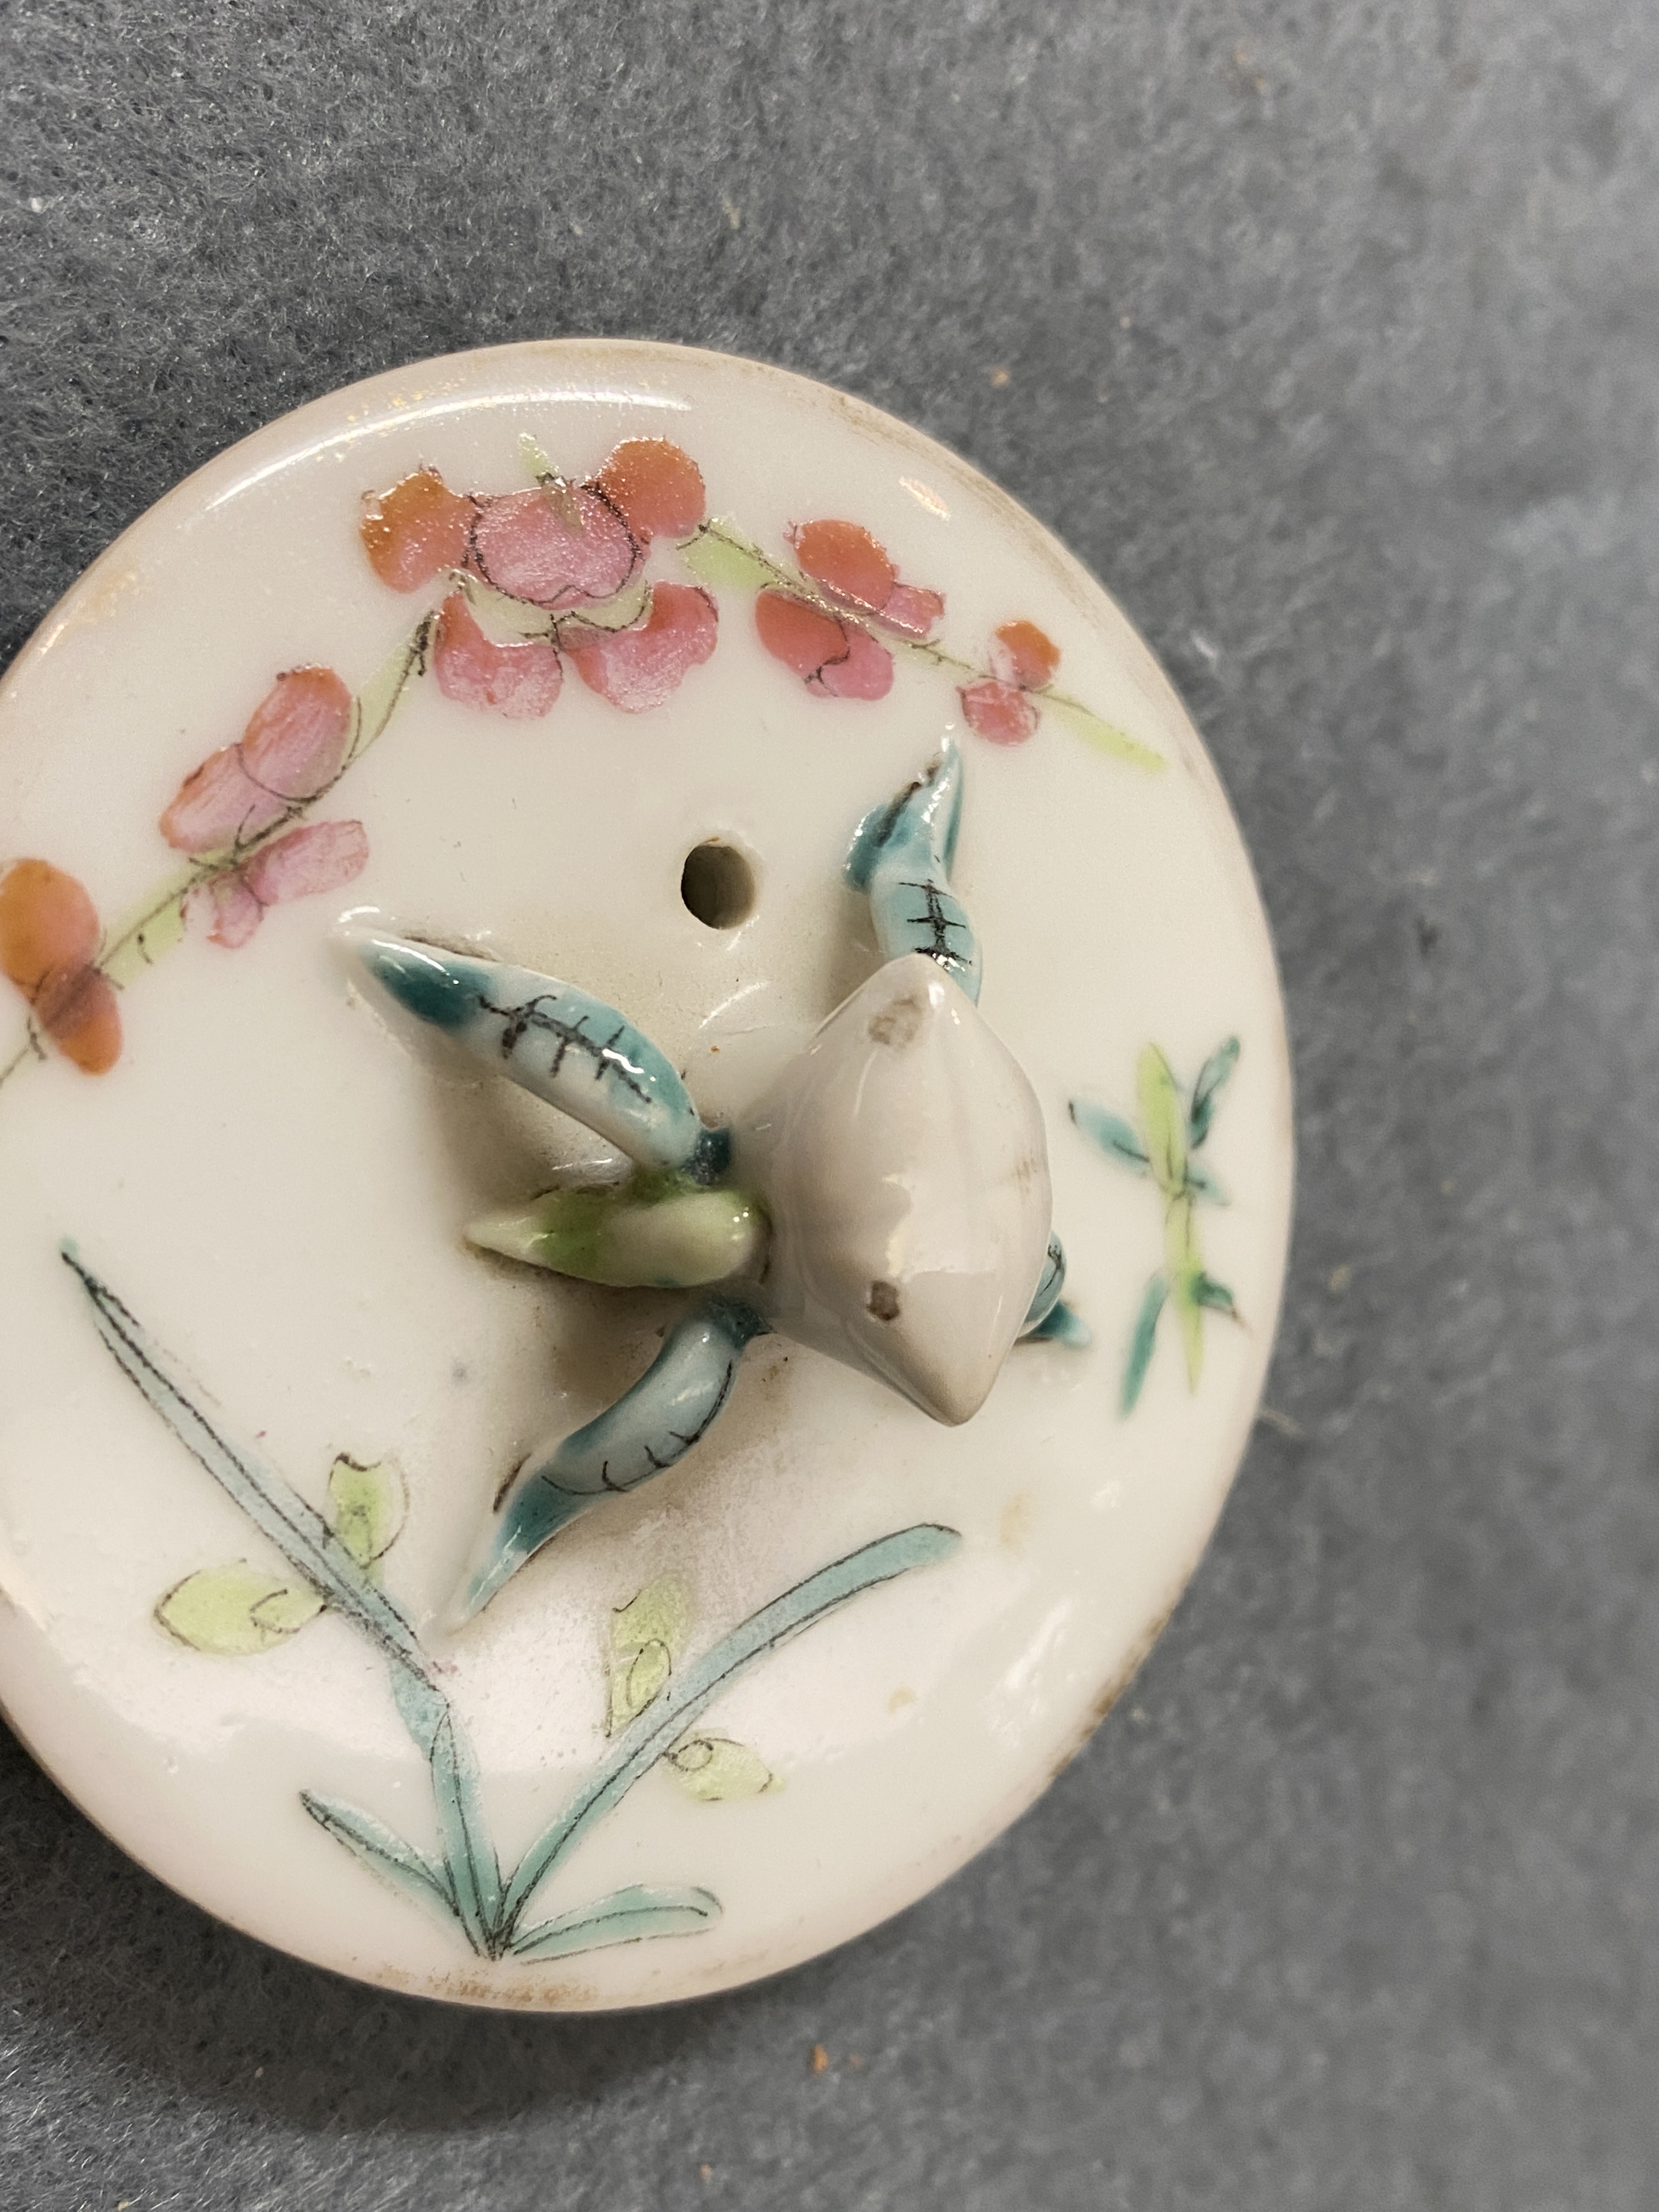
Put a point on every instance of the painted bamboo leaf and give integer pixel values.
(236, 1611)
(1111, 1133)
(713, 1768)
(1190, 1312)
(382, 1852)
(366, 1505)
(1105, 737)
(721, 554)
(1214, 1296)
(647, 1635)
(1207, 1090)
(298, 1531)
(1163, 1122)
(1142, 1341)
(472, 1869)
(666, 1721)
(627, 1916)
(1203, 1185)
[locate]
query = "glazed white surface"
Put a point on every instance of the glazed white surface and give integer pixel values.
(277, 1185)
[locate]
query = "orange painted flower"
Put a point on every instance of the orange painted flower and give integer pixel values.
(293, 746)
(656, 486)
(999, 707)
(560, 546)
(853, 568)
(416, 529)
(49, 943)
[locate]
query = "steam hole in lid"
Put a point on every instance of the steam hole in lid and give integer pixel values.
(718, 884)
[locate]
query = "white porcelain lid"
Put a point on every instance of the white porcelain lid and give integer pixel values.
(802, 1677)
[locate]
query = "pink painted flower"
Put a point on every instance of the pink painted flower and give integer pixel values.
(838, 659)
(521, 680)
(292, 749)
(320, 856)
(999, 707)
(560, 546)
(640, 667)
(855, 568)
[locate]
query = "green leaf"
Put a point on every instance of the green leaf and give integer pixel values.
(1104, 736)
(663, 1723)
(235, 1611)
(1207, 1088)
(721, 554)
(501, 612)
(1190, 1312)
(299, 1532)
(384, 1853)
(646, 1638)
(1141, 1343)
(713, 1768)
(631, 605)
(1111, 1133)
(627, 1916)
(533, 459)
(1163, 1122)
(1214, 1296)
(366, 1506)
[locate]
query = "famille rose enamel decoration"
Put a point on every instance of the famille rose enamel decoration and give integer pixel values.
(645, 1163)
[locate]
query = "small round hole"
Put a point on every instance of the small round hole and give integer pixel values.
(718, 884)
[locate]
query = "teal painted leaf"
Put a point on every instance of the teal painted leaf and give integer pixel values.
(384, 1853)
(665, 1723)
(1214, 1296)
(1207, 1090)
(1141, 1343)
(1111, 1133)
(1062, 1324)
(627, 1916)
(1203, 1185)
(721, 554)
(713, 1768)
(366, 1505)
(472, 1869)
(235, 1611)
(1104, 736)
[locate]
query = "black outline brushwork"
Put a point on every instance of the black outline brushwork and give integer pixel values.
(466, 1883)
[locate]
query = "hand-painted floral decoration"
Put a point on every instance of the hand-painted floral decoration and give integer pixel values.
(525, 586)
(1175, 1127)
(332, 1561)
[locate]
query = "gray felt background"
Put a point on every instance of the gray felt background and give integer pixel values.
(1331, 334)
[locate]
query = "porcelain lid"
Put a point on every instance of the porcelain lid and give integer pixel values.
(592, 658)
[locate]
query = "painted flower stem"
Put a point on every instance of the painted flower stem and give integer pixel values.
(720, 553)
(467, 1886)
(156, 924)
